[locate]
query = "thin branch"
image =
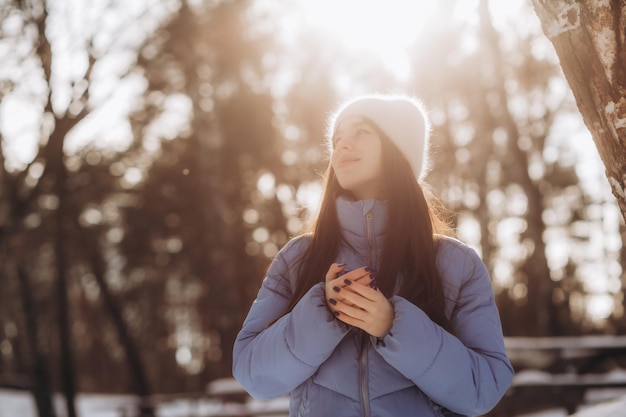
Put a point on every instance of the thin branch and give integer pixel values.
(65, 123)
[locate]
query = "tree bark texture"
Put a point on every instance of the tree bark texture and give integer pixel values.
(588, 36)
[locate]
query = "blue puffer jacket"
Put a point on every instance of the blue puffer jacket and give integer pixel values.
(333, 370)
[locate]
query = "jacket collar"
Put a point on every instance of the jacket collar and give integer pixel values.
(354, 222)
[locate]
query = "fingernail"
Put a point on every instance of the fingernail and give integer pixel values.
(336, 289)
(332, 301)
(336, 313)
(340, 273)
(347, 281)
(340, 265)
(367, 269)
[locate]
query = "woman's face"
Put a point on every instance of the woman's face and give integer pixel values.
(357, 158)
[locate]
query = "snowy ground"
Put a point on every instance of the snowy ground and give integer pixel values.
(21, 404)
(614, 408)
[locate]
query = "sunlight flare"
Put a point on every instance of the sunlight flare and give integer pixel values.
(385, 29)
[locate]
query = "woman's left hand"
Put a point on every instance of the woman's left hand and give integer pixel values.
(364, 307)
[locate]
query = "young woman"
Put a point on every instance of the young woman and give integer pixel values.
(373, 313)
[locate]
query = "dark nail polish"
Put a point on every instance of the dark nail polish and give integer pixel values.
(340, 273)
(347, 281)
(336, 313)
(336, 289)
(341, 264)
(367, 269)
(332, 301)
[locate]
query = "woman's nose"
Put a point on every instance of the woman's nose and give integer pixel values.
(343, 143)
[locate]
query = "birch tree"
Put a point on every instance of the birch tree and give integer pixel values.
(589, 37)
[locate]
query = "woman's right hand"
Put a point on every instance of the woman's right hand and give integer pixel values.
(335, 281)
(355, 299)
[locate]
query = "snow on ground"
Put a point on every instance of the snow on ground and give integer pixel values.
(556, 412)
(20, 404)
(16, 403)
(615, 408)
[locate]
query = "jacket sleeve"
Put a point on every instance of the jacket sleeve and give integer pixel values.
(468, 372)
(271, 360)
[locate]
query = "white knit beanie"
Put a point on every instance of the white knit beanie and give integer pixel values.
(403, 119)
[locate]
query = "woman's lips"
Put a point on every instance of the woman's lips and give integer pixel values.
(345, 161)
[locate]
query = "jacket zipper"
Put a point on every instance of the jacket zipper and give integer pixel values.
(363, 377)
(371, 242)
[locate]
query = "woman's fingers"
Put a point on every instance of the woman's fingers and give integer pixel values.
(356, 295)
(334, 283)
(334, 270)
(354, 313)
(375, 322)
(339, 285)
(360, 291)
(361, 275)
(360, 305)
(357, 274)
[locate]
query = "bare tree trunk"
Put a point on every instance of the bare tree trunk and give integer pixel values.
(485, 127)
(15, 206)
(9, 217)
(588, 36)
(63, 302)
(54, 178)
(539, 285)
(41, 384)
(137, 368)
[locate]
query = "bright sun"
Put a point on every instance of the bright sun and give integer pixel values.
(385, 28)
(388, 28)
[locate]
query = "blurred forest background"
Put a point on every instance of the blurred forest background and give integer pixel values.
(155, 155)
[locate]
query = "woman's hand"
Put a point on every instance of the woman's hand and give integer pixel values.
(353, 300)
(337, 277)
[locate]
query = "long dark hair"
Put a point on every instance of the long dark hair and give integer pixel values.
(410, 243)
